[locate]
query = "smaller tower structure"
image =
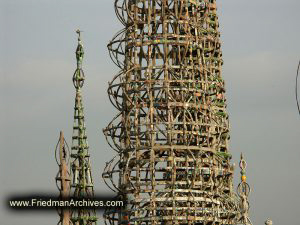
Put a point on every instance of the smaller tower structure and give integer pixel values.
(62, 177)
(243, 191)
(82, 185)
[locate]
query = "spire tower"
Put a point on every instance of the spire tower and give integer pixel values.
(82, 182)
(173, 164)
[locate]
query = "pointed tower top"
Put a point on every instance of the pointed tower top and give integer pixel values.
(243, 166)
(78, 77)
(79, 50)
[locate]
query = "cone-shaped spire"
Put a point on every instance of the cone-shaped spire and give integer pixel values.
(82, 185)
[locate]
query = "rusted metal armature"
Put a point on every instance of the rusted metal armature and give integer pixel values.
(63, 177)
(82, 182)
(171, 134)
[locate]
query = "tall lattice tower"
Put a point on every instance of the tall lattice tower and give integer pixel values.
(82, 182)
(171, 134)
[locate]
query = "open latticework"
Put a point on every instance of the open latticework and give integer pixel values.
(82, 182)
(171, 134)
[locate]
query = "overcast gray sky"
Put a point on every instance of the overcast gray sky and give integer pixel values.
(261, 50)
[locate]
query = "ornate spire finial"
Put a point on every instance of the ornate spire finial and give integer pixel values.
(79, 50)
(78, 78)
(243, 192)
(243, 166)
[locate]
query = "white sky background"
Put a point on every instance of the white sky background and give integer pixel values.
(261, 49)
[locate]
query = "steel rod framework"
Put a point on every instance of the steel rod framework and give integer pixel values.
(171, 133)
(82, 181)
